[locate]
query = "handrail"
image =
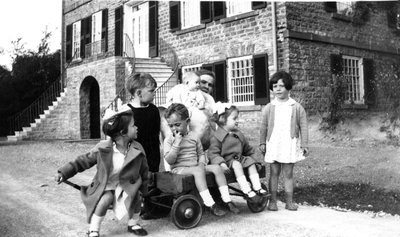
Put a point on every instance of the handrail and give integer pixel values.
(17, 121)
(161, 92)
(129, 51)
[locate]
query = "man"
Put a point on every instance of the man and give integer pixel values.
(207, 81)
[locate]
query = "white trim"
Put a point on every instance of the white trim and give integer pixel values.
(241, 80)
(353, 71)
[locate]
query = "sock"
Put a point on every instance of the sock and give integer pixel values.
(226, 197)
(244, 186)
(289, 197)
(207, 199)
(255, 181)
(95, 222)
(274, 196)
(134, 220)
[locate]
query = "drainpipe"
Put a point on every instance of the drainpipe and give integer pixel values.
(274, 39)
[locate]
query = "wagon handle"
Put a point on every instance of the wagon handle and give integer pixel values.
(72, 184)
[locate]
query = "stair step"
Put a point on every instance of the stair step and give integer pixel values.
(147, 60)
(33, 125)
(42, 116)
(46, 112)
(37, 121)
(27, 129)
(12, 138)
(152, 65)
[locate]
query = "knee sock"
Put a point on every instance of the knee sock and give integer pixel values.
(255, 181)
(207, 199)
(134, 220)
(226, 197)
(95, 222)
(274, 196)
(244, 186)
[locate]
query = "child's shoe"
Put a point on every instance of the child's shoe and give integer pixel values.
(273, 206)
(291, 206)
(232, 207)
(93, 233)
(254, 199)
(216, 210)
(262, 192)
(137, 230)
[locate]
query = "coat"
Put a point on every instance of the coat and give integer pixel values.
(226, 147)
(132, 177)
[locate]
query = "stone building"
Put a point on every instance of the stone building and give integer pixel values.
(243, 42)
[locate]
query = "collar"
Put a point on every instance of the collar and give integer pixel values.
(289, 102)
(221, 133)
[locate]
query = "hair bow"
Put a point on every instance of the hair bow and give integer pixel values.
(219, 107)
(110, 115)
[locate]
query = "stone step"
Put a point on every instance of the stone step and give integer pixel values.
(152, 65)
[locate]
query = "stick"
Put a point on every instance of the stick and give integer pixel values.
(72, 184)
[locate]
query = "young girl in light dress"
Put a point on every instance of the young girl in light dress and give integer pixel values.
(284, 137)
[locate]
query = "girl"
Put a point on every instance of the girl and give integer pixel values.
(121, 172)
(284, 137)
(230, 149)
(184, 152)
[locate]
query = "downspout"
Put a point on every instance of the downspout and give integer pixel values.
(274, 39)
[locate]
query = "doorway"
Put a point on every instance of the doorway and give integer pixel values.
(89, 108)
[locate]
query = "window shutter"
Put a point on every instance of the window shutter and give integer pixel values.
(258, 5)
(68, 43)
(118, 31)
(260, 75)
(219, 69)
(205, 12)
(336, 64)
(153, 29)
(219, 10)
(83, 30)
(392, 17)
(369, 82)
(88, 34)
(330, 6)
(174, 16)
(104, 29)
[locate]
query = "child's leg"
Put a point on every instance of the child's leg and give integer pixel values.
(98, 216)
(275, 170)
(133, 221)
(241, 179)
(220, 180)
(255, 180)
(288, 181)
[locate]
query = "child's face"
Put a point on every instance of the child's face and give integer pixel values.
(177, 124)
(193, 84)
(146, 94)
(280, 91)
(132, 130)
(232, 122)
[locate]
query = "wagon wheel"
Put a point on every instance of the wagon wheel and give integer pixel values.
(157, 205)
(186, 212)
(259, 206)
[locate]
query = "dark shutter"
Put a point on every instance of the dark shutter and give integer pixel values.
(205, 12)
(83, 31)
(88, 34)
(258, 5)
(260, 75)
(369, 82)
(330, 6)
(68, 43)
(174, 16)
(336, 64)
(219, 69)
(219, 10)
(118, 31)
(153, 29)
(392, 17)
(104, 29)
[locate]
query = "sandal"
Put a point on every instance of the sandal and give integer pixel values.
(93, 233)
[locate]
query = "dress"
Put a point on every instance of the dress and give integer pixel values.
(147, 120)
(281, 147)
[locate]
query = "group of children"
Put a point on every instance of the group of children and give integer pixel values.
(125, 161)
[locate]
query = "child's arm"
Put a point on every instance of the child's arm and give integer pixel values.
(304, 131)
(264, 129)
(248, 150)
(214, 152)
(81, 164)
(200, 153)
(171, 148)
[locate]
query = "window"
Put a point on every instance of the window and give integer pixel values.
(191, 68)
(95, 47)
(354, 76)
(240, 81)
(76, 40)
(190, 14)
(237, 7)
(345, 8)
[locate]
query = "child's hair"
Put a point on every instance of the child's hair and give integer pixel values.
(286, 79)
(138, 81)
(117, 125)
(188, 76)
(220, 119)
(178, 109)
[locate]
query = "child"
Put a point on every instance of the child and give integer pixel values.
(141, 86)
(187, 93)
(184, 152)
(284, 137)
(230, 149)
(121, 172)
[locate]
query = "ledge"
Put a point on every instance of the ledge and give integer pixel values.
(191, 29)
(341, 17)
(247, 108)
(337, 41)
(238, 17)
(355, 106)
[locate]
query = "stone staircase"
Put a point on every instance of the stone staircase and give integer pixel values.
(155, 67)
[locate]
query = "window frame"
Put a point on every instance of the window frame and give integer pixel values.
(76, 41)
(248, 85)
(234, 8)
(351, 96)
(192, 18)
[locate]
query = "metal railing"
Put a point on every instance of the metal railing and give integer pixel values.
(37, 107)
(95, 48)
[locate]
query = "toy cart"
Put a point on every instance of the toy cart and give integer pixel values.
(177, 195)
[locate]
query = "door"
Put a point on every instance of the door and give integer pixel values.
(140, 30)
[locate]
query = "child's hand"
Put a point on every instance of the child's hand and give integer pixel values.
(59, 178)
(178, 138)
(263, 148)
(306, 152)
